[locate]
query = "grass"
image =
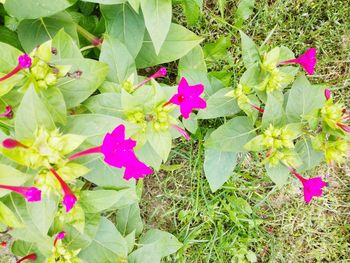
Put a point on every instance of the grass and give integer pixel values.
(249, 217)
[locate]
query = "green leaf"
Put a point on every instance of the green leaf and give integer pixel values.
(256, 144)
(55, 104)
(157, 15)
(161, 142)
(192, 11)
(117, 57)
(11, 176)
(148, 155)
(105, 103)
(66, 47)
(32, 33)
(218, 49)
(218, 167)
(102, 200)
(219, 105)
(159, 242)
(273, 112)
(231, 136)
(31, 114)
(191, 124)
(303, 99)
(278, 174)
(29, 9)
(22, 248)
(8, 58)
(8, 218)
(106, 2)
(250, 51)
(244, 11)
(310, 157)
(106, 245)
(129, 220)
(9, 37)
(76, 90)
(123, 23)
(178, 43)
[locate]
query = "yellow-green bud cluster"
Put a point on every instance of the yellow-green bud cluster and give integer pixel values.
(44, 74)
(128, 86)
(332, 113)
(336, 150)
(161, 119)
(277, 138)
(138, 117)
(286, 156)
(60, 254)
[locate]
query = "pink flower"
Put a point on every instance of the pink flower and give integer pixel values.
(182, 131)
(307, 60)
(11, 143)
(343, 127)
(59, 236)
(312, 187)
(187, 98)
(24, 61)
(119, 152)
(327, 94)
(8, 112)
(69, 198)
(31, 257)
(32, 194)
(160, 73)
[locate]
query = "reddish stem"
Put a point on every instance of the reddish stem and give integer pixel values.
(166, 104)
(13, 72)
(18, 189)
(257, 108)
(63, 184)
(302, 179)
(31, 257)
(88, 151)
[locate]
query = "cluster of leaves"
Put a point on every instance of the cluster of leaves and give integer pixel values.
(78, 88)
(299, 127)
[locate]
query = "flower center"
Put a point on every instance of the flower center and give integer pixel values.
(181, 98)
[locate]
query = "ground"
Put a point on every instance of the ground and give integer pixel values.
(249, 215)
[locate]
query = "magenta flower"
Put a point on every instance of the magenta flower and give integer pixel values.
(31, 257)
(59, 236)
(327, 94)
(32, 194)
(307, 60)
(119, 152)
(11, 143)
(160, 73)
(187, 98)
(69, 198)
(8, 112)
(24, 61)
(312, 187)
(182, 131)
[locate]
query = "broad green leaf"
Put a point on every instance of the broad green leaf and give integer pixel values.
(218, 167)
(159, 242)
(21, 248)
(191, 124)
(124, 23)
(55, 104)
(161, 142)
(192, 11)
(178, 43)
(102, 200)
(8, 218)
(219, 105)
(107, 245)
(278, 174)
(157, 15)
(231, 136)
(310, 157)
(149, 156)
(273, 112)
(303, 99)
(244, 11)
(117, 57)
(105, 103)
(31, 114)
(106, 2)
(9, 37)
(66, 47)
(129, 220)
(217, 50)
(29, 9)
(76, 90)
(250, 52)
(135, 4)
(193, 60)
(8, 58)
(32, 33)
(256, 144)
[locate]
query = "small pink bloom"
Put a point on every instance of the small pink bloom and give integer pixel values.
(307, 60)
(343, 127)
(327, 94)
(3, 244)
(182, 131)
(69, 198)
(11, 143)
(31, 257)
(312, 187)
(257, 108)
(188, 98)
(24, 61)
(32, 194)
(59, 236)
(160, 73)
(8, 112)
